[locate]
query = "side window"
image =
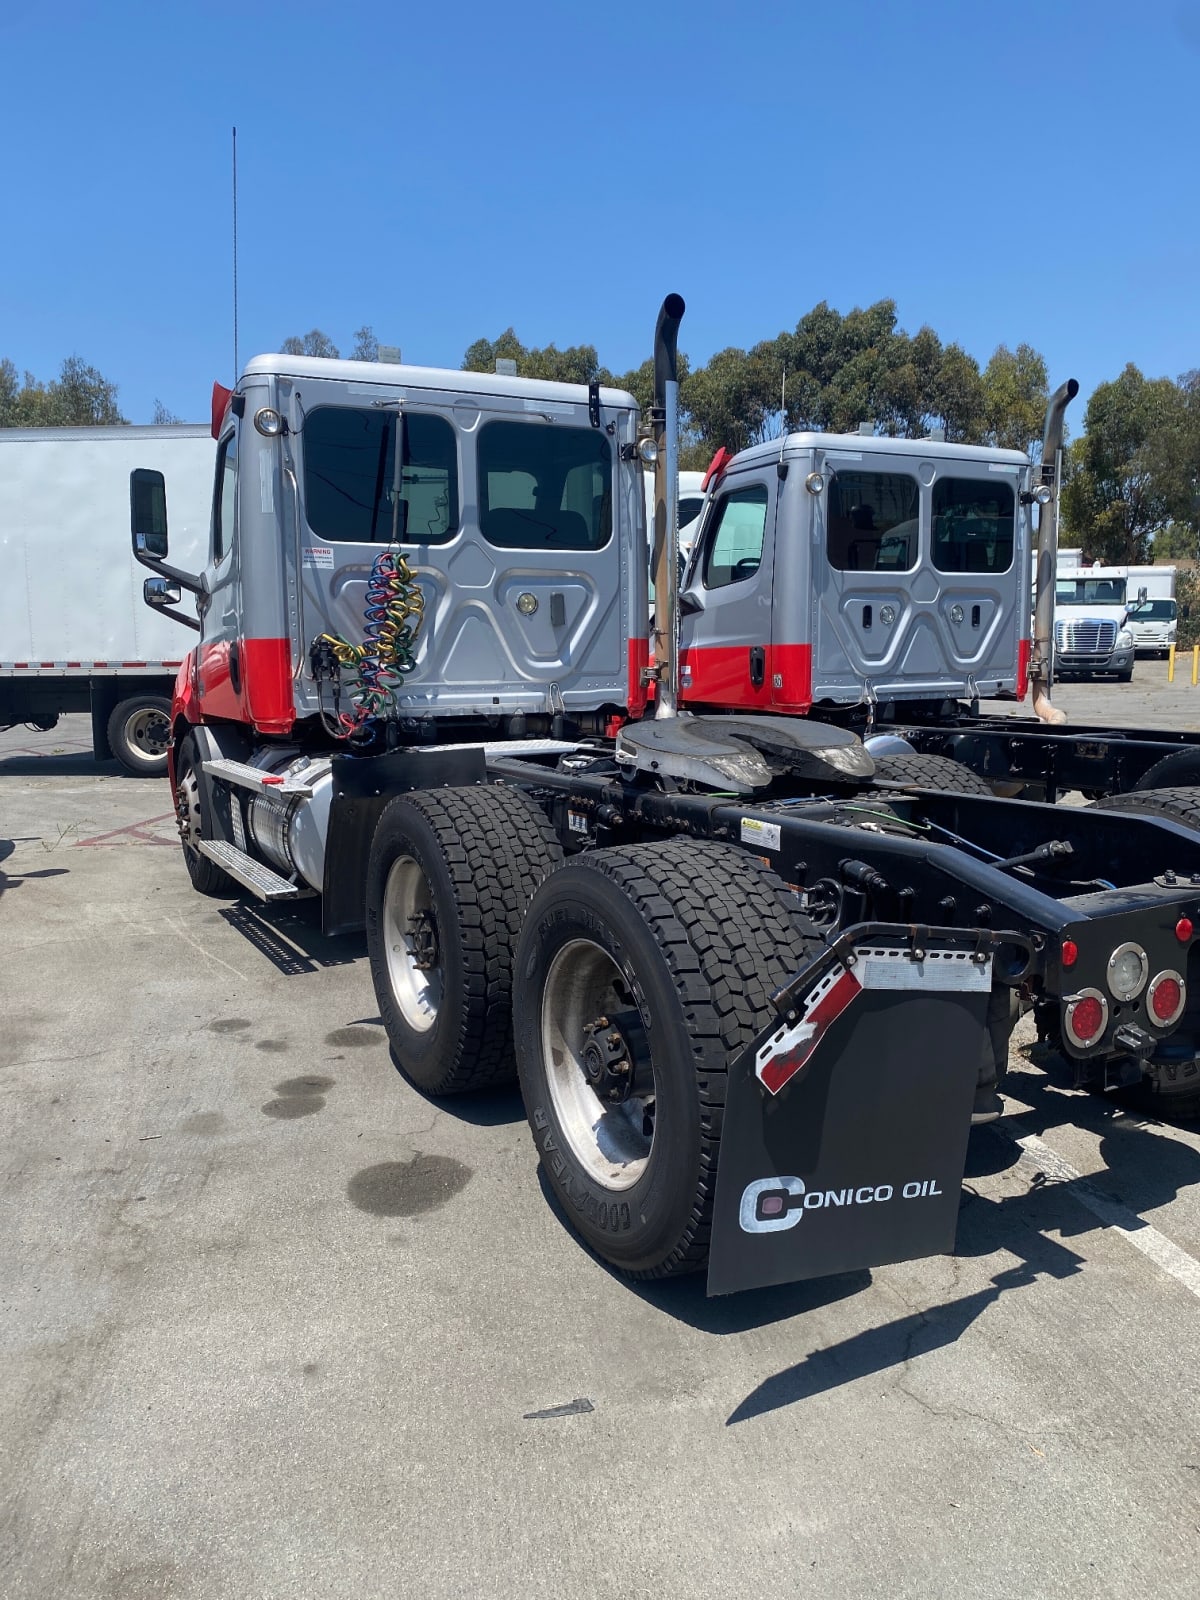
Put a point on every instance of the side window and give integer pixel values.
(735, 545)
(350, 474)
(225, 509)
(872, 521)
(972, 525)
(544, 487)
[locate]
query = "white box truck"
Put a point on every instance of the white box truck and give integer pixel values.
(75, 634)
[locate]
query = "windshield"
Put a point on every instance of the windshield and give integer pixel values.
(1089, 592)
(1154, 611)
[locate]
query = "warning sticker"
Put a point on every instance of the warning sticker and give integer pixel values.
(318, 555)
(760, 835)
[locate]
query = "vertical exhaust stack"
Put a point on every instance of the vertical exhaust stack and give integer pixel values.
(1047, 560)
(664, 419)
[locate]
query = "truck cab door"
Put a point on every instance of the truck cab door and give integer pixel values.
(221, 669)
(725, 611)
(920, 578)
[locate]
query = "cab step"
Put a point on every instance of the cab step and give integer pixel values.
(247, 777)
(251, 874)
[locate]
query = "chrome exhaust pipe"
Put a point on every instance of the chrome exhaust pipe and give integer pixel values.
(1049, 479)
(664, 419)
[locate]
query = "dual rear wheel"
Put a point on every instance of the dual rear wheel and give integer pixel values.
(618, 987)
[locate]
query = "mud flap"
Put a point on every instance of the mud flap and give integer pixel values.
(846, 1122)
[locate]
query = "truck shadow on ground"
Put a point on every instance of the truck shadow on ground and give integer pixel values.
(14, 880)
(64, 764)
(290, 936)
(1144, 1169)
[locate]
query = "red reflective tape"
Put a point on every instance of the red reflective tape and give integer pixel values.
(45, 663)
(807, 1034)
(74, 663)
(133, 663)
(1023, 652)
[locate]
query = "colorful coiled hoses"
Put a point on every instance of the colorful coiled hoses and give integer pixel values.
(392, 615)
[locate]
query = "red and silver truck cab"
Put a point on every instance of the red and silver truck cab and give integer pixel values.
(840, 570)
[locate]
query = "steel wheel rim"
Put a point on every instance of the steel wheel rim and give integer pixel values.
(610, 1142)
(147, 734)
(187, 810)
(417, 990)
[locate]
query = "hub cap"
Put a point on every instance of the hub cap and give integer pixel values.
(148, 735)
(598, 1066)
(410, 935)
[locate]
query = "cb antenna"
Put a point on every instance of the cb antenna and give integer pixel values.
(236, 368)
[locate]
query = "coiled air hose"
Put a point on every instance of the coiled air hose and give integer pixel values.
(392, 615)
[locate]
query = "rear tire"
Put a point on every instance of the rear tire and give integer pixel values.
(674, 950)
(207, 877)
(450, 875)
(139, 733)
(1173, 771)
(932, 772)
(1179, 804)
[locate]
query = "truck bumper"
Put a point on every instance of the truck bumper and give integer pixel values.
(1075, 663)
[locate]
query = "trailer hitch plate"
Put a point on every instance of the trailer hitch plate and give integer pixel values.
(846, 1122)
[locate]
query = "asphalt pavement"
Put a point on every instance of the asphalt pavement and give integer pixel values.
(275, 1325)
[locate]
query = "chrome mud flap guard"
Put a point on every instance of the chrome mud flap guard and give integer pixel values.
(846, 1122)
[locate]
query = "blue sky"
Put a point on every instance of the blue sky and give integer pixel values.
(1005, 173)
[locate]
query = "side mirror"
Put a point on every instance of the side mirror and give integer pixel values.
(690, 601)
(159, 593)
(148, 515)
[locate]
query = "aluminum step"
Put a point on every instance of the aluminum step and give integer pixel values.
(251, 874)
(247, 777)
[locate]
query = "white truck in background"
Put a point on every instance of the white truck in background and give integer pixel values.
(75, 634)
(1106, 615)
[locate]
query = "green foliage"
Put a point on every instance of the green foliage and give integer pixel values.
(841, 372)
(80, 397)
(1178, 541)
(577, 364)
(1187, 597)
(1015, 393)
(1134, 471)
(366, 345)
(314, 343)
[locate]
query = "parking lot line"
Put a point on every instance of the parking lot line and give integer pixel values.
(1037, 1155)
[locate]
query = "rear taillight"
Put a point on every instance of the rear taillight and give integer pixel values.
(1183, 929)
(1086, 1017)
(1165, 998)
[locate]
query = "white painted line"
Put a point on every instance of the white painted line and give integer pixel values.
(1036, 1153)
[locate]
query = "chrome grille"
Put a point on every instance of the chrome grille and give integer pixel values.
(1085, 637)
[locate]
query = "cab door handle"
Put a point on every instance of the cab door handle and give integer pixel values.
(758, 666)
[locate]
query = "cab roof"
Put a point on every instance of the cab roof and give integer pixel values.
(848, 445)
(389, 375)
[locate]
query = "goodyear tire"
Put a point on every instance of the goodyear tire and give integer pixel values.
(450, 874)
(139, 733)
(207, 877)
(665, 956)
(932, 772)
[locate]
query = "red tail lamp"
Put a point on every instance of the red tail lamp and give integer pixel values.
(1165, 998)
(1183, 929)
(1069, 952)
(1086, 1018)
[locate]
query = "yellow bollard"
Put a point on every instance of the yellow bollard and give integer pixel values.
(1195, 663)
(1171, 663)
